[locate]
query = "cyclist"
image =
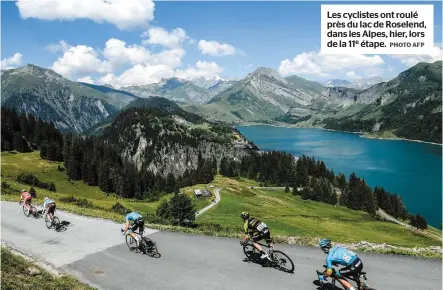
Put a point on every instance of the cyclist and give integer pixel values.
(258, 231)
(50, 204)
(342, 256)
(135, 220)
(27, 198)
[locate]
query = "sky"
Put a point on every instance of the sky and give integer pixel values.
(137, 42)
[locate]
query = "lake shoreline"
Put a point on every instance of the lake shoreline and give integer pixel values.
(362, 134)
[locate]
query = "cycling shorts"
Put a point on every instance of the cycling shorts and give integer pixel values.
(352, 270)
(138, 224)
(265, 234)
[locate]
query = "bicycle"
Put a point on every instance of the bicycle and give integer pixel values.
(31, 210)
(360, 284)
(147, 246)
(54, 223)
(277, 258)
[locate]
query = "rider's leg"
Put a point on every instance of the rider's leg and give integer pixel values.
(258, 247)
(345, 283)
(349, 271)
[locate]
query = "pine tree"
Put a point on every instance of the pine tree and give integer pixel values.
(170, 183)
(295, 190)
(287, 187)
(163, 210)
(52, 187)
(182, 210)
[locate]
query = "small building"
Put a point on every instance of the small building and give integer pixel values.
(206, 193)
(197, 193)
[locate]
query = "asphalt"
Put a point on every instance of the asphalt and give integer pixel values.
(94, 251)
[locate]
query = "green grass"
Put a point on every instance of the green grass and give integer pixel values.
(287, 215)
(14, 275)
(14, 164)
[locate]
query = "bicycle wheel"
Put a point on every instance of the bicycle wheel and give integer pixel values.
(56, 223)
(283, 261)
(365, 287)
(34, 211)
(48, 222)
(131, 243)
(249, 251)
(26, 211)
(151, 248)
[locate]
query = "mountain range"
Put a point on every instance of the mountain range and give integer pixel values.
(407, 106)
(361, 83)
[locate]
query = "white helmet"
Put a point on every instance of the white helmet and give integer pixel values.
(23, 190)
(46, 198)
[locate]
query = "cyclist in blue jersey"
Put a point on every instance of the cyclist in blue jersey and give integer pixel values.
(50, 204)
(134, 221)
(342, 256)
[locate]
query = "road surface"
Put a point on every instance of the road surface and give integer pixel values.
(217, 200)
(94, 251)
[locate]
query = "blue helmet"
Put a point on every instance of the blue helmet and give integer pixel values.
(325, 245)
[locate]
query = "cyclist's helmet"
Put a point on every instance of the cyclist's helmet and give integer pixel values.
(46, 198)
(244, 215)
(23, 190)
(127, 211)
(325, 245)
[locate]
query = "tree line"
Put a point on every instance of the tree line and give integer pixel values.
(25, 133)
(311, 179)
(100, 164)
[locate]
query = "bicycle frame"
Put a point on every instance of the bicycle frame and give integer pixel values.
(334, 277)
(251, 242)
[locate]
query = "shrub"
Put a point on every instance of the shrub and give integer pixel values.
(5, 185)
(80, 202)
(119, 208)
(32, 180)
(33, 192)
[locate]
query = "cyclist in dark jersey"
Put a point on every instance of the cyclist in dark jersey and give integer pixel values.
(258, 231)
(342, 256)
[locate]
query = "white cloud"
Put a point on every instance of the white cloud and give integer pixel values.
(61, 46)
(125, 14)
(411, 59)
(216, 48)
(314, 63)
(158, 35)
(353, 75)
(78, 61)
(119, 54)
(12, 62)
(201, 69)
(86, 79)
(140, 74)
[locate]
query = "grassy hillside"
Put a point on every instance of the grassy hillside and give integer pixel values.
(15, 275)
(291, 216)
(14, 164)
(285, 214)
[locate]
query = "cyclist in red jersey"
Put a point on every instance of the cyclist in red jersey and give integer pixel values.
(27, 198)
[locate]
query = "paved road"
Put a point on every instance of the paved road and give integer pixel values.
(93, 250)
(217, 200)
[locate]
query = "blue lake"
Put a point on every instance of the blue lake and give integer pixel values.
(411, 169)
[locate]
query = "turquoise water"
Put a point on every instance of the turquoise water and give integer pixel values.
(411, 169)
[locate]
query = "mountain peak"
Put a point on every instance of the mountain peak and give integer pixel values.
(266, 71)
(36, 71)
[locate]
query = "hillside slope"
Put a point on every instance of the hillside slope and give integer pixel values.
(410, 106)
(47, 95)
